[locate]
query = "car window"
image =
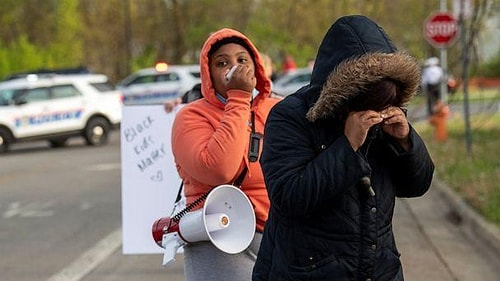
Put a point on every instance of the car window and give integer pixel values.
(301, 78)
(35, 94)
(168, 77)
(6, 96)
(103, 87)
(64, 91)
(195, 74)
(143, 79)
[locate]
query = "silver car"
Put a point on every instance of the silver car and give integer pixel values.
(292, 81)
(159, 84)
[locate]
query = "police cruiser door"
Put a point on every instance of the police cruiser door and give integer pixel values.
(48, 110)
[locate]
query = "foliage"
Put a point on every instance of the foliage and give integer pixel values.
(474, 177)
(116, 37)
(490, 68)
(47, 37)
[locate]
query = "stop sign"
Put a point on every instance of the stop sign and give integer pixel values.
(440, 29)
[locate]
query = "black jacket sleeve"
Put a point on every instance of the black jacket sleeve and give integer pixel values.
(414, 169)
(301, 174)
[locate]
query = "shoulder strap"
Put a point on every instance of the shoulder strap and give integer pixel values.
(236, 183)
(179, 193)
(202, 198)
(240, 178)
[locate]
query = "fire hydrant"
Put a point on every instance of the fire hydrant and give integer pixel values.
(438, 120)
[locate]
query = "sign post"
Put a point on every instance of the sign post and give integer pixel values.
(440, 30)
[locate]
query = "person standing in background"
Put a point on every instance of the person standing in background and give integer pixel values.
(268, 66)
(336, 155)
(288, 64)
(217, 139)
(432, 76)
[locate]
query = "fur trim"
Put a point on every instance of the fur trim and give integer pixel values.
(354, 76)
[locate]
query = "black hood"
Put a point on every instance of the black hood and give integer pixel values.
(355, 53)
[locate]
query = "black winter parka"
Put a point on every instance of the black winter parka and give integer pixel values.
(324, 222)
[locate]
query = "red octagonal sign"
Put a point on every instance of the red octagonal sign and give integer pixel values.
(440, 29)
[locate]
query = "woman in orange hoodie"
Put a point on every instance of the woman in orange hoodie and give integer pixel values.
(210, 143)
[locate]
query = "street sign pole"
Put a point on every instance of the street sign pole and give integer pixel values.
(444, 62)
(465, 79)
(440, 30)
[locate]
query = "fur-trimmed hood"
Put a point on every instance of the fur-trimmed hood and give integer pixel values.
(354, 76)
(354, 54)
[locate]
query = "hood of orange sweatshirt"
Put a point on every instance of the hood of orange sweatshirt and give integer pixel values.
(207, 87)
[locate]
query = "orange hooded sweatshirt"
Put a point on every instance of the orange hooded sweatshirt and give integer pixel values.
(210, 140)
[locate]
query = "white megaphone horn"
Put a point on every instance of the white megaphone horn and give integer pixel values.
(227, 220)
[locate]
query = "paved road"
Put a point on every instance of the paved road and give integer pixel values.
(433, 247)
(55, 204)
(61, 222)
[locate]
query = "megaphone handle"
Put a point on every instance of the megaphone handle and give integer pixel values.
(171, 242)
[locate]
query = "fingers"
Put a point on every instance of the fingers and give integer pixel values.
(242, 78)
(368, 118)
(171, 104)
(357, 126)
(393, 115)
(395, 123)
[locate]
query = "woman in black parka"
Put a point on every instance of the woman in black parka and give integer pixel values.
(336, 155)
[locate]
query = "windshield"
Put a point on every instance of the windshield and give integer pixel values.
(7, 96)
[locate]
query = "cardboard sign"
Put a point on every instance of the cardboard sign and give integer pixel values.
(150, 182)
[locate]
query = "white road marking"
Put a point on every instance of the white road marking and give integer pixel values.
(89, 260)
(104, 167)
(29, 210)
(86, 206)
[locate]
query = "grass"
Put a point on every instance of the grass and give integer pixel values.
(475, 175)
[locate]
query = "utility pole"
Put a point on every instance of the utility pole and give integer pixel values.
(465, 78)
(443, 52)
(127, 36)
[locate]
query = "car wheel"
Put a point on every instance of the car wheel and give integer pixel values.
(5, 139)
(97, 131)
(60, 142)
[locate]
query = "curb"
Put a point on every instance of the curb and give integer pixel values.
(469, 221)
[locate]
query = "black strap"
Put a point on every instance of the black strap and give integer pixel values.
(179, 193)
(236, 183)
(240, 178)
(253, 121)
(200, 199)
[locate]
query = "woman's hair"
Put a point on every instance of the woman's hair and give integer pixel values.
(228, 40)
(377, 96)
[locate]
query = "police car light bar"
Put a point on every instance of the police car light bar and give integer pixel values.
(161, 66)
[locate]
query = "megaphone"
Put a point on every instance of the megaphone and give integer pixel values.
(227, 220)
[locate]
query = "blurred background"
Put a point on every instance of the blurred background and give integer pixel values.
(118, 37)
(61, 202)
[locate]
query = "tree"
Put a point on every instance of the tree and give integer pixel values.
(116, 37)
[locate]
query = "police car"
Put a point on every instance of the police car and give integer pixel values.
(290, 82)
(159, 84)
(57, 107)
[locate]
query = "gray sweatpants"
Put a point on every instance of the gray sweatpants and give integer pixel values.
(204, 262)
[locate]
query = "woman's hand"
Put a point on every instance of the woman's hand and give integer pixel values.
(171, 104)
(396, 125)
(357, 125)
(243, 78)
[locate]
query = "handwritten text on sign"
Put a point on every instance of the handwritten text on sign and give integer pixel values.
(144, 145)
(149, 178)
